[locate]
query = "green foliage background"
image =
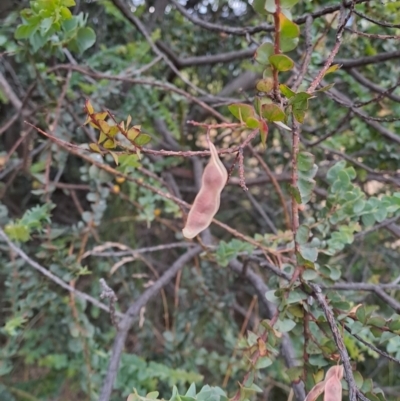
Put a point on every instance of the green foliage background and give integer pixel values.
(58, 208)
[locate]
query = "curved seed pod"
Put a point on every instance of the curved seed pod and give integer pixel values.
(333, 389)
(334, 371)
(316, 391)
(207, 201)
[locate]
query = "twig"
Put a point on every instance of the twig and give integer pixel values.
(353, 390)
(307, 57)
(109, 293)
(381, 23)
(132, 313)
(53, 277)
(249, 30)
(286, 345)
(371, 346)
(339, 36)
(241, 170)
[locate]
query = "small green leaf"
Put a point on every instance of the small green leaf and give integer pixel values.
(132, 134)
(299, 115)
(288, 44)
(289, 29)
(263, 362)
(285, 325)
(286, 91)
(305, 161)
(308, 252)
(95, 148)
(109, 144)
(295, 373)
(265, 85)
(24, 31)
(85, 38)
(302, 235)
(142, 139)
(288, 3)
(264, 7)
(281, 62)
(306, 187)
(332, 68)
(241, 111)
(272, 112)
(253, 122)
(263, 53)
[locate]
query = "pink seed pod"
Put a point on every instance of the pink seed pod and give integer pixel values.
(334, 371)
(316, 391)
(207, 201)
(333, 389)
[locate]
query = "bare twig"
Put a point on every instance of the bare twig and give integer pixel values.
(109, 293)
(51, 276)
(132, 313)
(353, 390)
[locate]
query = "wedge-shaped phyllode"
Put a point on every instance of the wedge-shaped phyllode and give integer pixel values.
(207, 201)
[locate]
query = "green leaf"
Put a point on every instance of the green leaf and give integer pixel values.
(263, 53)
(306, 187)
(295, 373)
(286, 91)
(285, 325)
(253, 122)
(85, 38)
(264, 7)
(299, 115)
(24, 31)
(333, 172)
(332, 68)
(288, 3)
(308, 252)
(263, 362)
(95, 148)
(281, 62)
(68, 3)
(288, 44)
(302, 234)
(289, 30)
(241, 111)
(142, 139)
(18, 232)
(305, 161)
(272, 112)
(265, 85)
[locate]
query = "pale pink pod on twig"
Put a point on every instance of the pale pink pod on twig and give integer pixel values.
(334, 371)
(207, 201)
(316, 391)
(333, 389)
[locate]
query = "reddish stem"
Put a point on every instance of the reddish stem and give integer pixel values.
(277, 49)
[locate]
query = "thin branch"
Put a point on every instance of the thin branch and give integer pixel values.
(370, 85)
(140, 81)
(133, 312)
(307, 56)
(376, 22)
(53, 277)
(339, 37)
(109, 293)
(362, 61)
(286, 345)
(371, 346)
(249, 30)
(353, 390)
